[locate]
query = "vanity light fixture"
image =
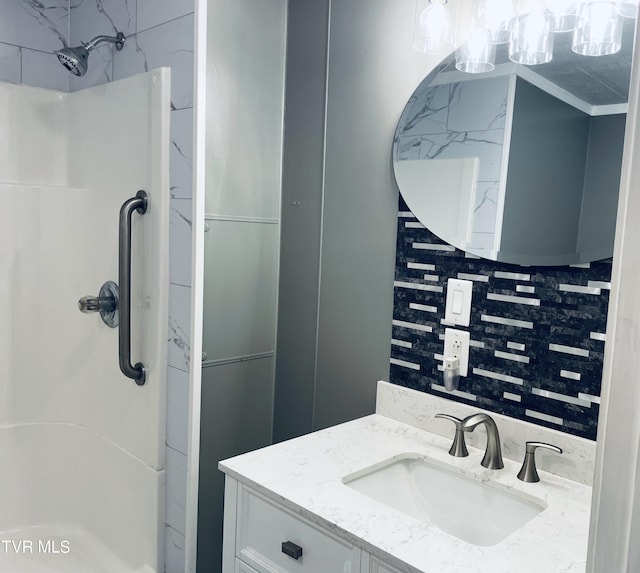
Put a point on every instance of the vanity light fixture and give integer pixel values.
(532, 42)
(433, 30)
(599, 30)
(529, 26)
(478, 54)
(628, 8)
(495, 16)
(563, 13)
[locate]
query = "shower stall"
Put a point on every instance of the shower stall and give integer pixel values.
(82, 445)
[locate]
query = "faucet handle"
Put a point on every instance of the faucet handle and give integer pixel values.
(528, 472)
(459, 447)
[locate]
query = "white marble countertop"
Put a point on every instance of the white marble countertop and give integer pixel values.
(305, 475)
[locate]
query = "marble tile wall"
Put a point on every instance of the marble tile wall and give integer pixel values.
(30, 31)
(537, 333)
(159, 33)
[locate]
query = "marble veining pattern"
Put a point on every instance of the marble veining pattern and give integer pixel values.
(305, 475)
(533, 308)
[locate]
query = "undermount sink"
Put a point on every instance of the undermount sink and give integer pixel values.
(476, 512)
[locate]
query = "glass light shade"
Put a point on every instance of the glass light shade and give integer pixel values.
(496, 17)
(478, 54)
(564, 17)
(628, 8)
(433, 27)
(533, 39)
(599, 31)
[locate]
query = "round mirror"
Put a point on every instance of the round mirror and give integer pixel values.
(520, 165)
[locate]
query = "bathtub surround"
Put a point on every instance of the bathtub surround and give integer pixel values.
(84, 446)
(537, 333)
(159, 33)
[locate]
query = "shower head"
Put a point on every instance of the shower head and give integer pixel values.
(76, 60)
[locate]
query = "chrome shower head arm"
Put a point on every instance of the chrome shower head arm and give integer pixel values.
(117, 40)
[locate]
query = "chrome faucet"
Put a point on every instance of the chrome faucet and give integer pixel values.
(493, 455)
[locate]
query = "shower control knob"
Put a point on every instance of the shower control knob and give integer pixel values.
(88, 304)
(106, 303)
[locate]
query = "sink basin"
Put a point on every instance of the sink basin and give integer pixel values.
(474, 511)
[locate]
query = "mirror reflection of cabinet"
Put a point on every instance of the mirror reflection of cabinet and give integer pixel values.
(502, 169)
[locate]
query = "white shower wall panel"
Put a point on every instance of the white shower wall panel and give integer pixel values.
(83, 446)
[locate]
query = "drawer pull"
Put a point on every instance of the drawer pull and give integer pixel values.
(291, 549)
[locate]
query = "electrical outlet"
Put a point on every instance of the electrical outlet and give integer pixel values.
(456, 345)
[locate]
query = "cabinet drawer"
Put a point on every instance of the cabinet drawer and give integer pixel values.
(263, 527)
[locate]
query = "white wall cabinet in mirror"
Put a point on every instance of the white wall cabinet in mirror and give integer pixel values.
(520, 165)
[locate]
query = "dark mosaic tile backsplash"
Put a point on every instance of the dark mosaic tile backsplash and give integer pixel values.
(537, 333)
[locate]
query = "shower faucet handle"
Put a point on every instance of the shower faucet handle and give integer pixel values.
(89, 304)
(106, 303)
(459, 448)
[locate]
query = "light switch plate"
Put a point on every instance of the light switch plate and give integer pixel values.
(456, 344)
(458, 306)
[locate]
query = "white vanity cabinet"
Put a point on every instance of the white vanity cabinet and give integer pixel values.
(256, 527)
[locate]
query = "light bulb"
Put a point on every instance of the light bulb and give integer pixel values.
(628, 8)
(533, 40)
(599, 31)
(495, 16)
(564, 14)
(435, 27)
(478, 54)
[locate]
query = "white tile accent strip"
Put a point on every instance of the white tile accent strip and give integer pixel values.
(412, 225)
(513, 299)
(569, 350)
(421, 266)
(570, 375)
(406, 215)
(516, 346)
(525, 289)
(423, 307)
(514, 357)
(498, 376)
(513, 397)
(403, 343)
(413, 326)
(470, 277)
(512, 276)
(433, 247)
(581, 266)
(599, 284)
(476, 343)
(598, 336)
(545, 417)
(578, 289)
(471, 256)
(405, 364)
(418, 286)
(589, 397)
(507, 321)
(561, 397)
(458, 393)
(432, 278)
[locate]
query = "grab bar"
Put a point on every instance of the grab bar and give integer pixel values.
(139, 203)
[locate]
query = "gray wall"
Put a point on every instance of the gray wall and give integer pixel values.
(602, 181)
(328, 362)
(547, 159)
(302, 180)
